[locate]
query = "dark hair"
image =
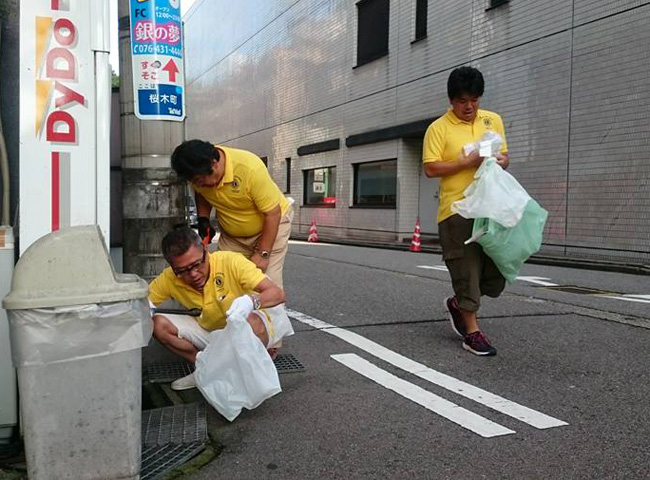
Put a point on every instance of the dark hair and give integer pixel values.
(179, 241)
(193, 158)
(465, 81)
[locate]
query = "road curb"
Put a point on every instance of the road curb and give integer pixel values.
(539, 259)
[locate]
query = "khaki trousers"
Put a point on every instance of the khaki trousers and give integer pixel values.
(246, 245)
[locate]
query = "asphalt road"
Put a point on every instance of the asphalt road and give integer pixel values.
(388, 392)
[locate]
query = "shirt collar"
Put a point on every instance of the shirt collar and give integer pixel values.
(455, 120)
(228, 174)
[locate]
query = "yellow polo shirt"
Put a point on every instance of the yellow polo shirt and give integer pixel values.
(231, 275)
(244, 194)
(443, 142)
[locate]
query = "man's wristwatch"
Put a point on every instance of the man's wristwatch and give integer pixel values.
(257, 304)
(265, 254)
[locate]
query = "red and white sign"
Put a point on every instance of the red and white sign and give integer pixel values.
(64, 116)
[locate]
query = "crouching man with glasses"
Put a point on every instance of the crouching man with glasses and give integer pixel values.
(219, 284)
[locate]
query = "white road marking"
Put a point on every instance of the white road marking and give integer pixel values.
(442, 268)
(500, 404)
(543, 281)
(628, 298)
(459, 415)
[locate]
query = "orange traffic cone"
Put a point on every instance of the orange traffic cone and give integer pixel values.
(313, 234)
(415, 241)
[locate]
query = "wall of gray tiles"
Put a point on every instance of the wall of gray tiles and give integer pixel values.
(569, 77)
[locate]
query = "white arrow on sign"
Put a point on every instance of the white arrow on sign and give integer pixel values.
(538, 281)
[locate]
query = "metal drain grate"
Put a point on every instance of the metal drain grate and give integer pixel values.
(161, 372)
(176, 425)
(157, 460)
(287, 363)
(578, 290)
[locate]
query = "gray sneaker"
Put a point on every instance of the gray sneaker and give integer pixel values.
(184, 383)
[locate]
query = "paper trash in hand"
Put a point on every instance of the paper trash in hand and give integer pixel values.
(494, 194)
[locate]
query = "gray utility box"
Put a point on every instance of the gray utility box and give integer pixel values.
(77, 329)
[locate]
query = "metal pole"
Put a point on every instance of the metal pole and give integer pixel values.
(153, 197)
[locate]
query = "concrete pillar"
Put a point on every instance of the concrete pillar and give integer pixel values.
(153, 197)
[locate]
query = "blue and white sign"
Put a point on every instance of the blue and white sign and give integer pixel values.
(157, 52)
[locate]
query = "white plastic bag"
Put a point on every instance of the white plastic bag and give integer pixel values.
(235, 371)
(277, 324)
(494, 194)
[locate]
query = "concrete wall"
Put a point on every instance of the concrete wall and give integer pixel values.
(569, 78)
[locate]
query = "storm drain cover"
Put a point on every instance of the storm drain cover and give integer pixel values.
(156, 460)
(171, 436)
(162, 372)
(165, 372)
(579, 290)
(178, 424)
(287, 363)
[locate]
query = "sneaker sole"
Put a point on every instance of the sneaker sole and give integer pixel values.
(181, 388)
(475, 352)
(451, 319)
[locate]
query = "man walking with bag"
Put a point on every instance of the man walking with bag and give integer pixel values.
(220, 285)
(254, 216)
(473, 273)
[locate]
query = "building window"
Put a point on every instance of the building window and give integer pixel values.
(497, 3)
(421, 19)
(372, 36)
(375, 184)
(288, 167)
(320, 187)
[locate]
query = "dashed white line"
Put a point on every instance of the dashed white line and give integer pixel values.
(459, 415)
(500, 404)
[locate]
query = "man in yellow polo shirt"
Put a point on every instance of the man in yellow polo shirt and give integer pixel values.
(254, 216)
(473, 273)
(219, 284)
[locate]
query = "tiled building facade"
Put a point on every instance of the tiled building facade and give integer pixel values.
(294, 81)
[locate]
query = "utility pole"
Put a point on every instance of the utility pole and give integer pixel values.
(153, 196)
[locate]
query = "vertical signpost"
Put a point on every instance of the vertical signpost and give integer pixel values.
(64, 116)
(157, 53)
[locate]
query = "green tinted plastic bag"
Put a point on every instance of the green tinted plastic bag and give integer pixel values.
(509, 248)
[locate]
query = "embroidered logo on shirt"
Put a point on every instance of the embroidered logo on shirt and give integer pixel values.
(236, 182)
(487, 121)
(219, 280)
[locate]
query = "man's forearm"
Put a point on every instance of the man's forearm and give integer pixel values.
(269, 230)
(269, 293)
(203, 207)
(445, 169)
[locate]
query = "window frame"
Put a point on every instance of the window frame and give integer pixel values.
(287, 163)
(496, 4)
(305, 181)
(368, 58)
(355, 188)
(421, 4)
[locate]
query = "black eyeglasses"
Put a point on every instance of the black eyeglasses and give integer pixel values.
(189, 269)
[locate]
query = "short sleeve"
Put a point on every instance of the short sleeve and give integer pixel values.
(501, 131)
(246, 272)
(263, 190)
(159, 288)
(434, 144)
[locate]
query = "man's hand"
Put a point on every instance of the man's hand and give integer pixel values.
(472, 160)
(503, 160)
(261, 263)
(241, 306)
(206, 232)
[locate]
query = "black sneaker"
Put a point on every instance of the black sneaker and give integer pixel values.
(478, 344)
(455, 317)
